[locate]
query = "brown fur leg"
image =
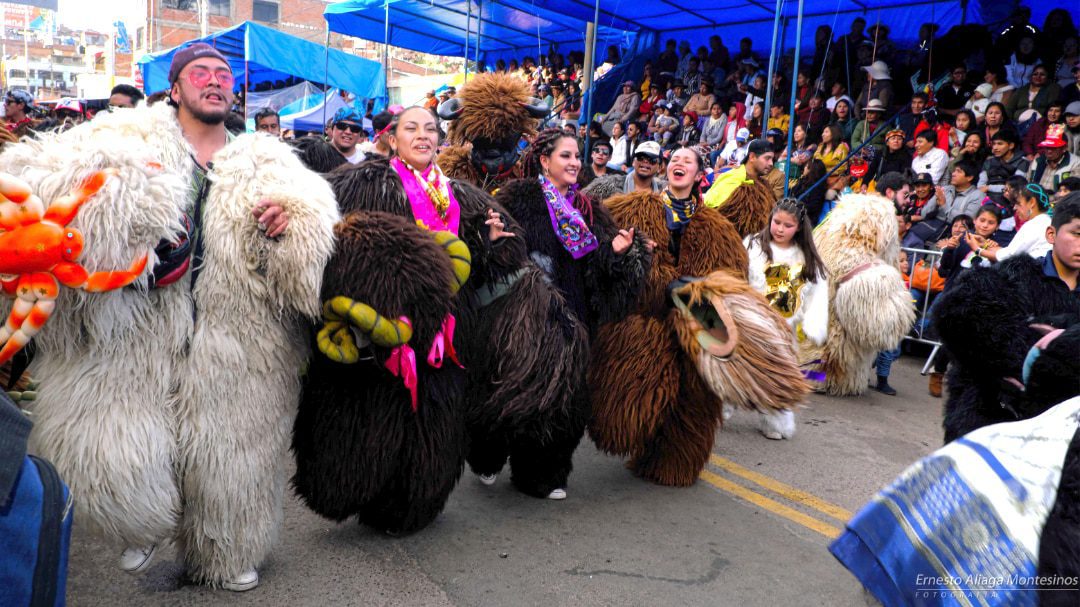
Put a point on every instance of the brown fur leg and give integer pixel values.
(634, 378)
(684, 438)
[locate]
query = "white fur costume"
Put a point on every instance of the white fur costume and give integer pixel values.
(869, 308)
(168, 411)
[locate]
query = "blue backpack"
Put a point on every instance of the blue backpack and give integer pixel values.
(35, 519)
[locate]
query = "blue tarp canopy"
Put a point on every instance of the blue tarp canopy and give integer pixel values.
(517, 28)
(270, 55)
(500, 27)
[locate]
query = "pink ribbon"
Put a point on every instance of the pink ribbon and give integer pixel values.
(444, 344)
(402, 363)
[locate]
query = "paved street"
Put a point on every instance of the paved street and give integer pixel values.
(753, 531)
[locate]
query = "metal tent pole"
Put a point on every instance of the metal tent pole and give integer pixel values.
(772, 64)
(386, 46)
(794, 94)
(590, 62)
(468, 29)
(326, 77)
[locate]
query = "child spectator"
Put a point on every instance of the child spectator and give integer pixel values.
(1032, 204)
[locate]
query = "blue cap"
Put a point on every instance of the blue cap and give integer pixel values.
(348, 114)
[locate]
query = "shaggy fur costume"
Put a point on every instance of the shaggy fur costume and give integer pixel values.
(749, 207)
(986, 317)
(656, 396)
(598, 288)
(493, 119)
(870, 310)
(168, 411)
(517, 398)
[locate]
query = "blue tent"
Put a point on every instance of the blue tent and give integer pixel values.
(263, 54)
(516, 28)
(500, 28)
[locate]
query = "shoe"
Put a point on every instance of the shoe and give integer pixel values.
(727, 411)
(884, 387)
(243, 582)
(778, 425)
(935, 383)
(137, 560)
(487, 479)
(557, 494)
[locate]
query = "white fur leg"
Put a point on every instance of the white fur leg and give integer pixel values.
(111, 435)
(235, 424)
(778, 425)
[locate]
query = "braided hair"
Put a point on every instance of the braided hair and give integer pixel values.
(544, 145)
(813, 267)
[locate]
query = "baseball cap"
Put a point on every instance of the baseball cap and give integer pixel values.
(759, 147)
(67, 103)
(629, 83)
(21, 96)
(1073, 109)
(742, 134)
(347, 114)
(922, 178)
(648, 148)
(190, 53)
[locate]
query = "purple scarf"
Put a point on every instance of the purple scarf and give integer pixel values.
(569, 226)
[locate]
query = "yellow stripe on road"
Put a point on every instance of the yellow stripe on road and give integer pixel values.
(785, 491)
(773, 506)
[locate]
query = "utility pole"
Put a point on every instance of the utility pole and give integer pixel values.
(204, 18)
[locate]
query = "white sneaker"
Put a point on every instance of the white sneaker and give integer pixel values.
(557, 494)
(487, 479)
(137, 560)
(727, 411)
(778, 425)
(243, 582)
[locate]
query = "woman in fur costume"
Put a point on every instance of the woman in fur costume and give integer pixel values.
(167, 410)
(870, 310)
(786, 269)
(659, 376)
(598, 269)
(489, 116)
(367, 443)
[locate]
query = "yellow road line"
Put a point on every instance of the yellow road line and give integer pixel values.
(785, 491)
(773, 506)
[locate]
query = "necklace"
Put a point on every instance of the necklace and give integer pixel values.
(435, 187)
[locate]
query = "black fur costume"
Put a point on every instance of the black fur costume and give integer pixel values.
(985, 319)
(598, 288)
(359, 447)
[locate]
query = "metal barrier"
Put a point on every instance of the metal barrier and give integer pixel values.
(922, 323)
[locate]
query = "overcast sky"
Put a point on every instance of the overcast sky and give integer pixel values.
(98, 15)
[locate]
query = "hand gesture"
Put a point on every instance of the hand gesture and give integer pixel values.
(939, 192)
(496, 227)
(621, 243)
(974, 241)
(271, 217)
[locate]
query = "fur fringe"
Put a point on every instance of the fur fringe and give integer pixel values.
(749, 207)
(493, 106)
(763, 372)
(871, 311)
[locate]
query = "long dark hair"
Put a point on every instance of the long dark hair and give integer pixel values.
(813, 267)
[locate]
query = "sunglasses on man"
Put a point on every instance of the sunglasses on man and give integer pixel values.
(644, 158)
(352, 128)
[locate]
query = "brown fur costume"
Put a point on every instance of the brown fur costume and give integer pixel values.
(748, 208)
(494, 116)
(870, 310)
(650, 400)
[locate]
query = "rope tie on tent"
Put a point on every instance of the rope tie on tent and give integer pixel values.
(828, 46)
